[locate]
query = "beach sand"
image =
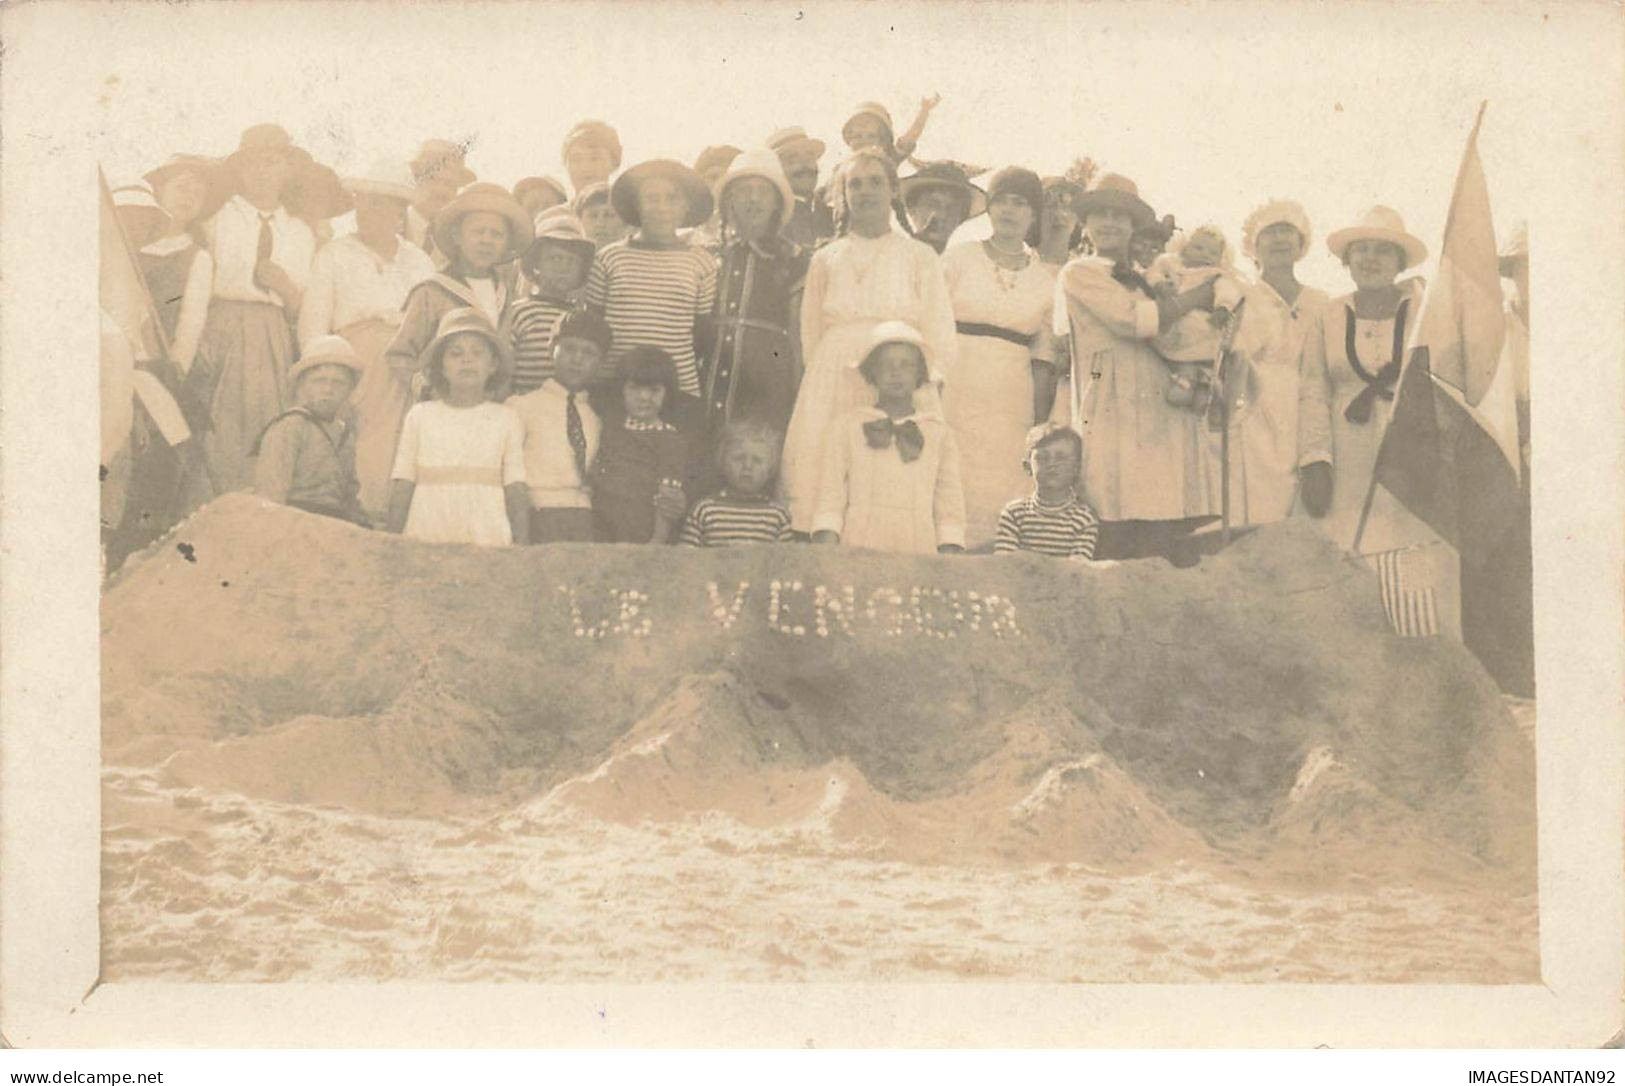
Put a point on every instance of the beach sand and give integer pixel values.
(336, 755)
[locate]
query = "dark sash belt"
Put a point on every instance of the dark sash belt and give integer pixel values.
(972, 328)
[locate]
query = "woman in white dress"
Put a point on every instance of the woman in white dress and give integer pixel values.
(1004, 374)
(1351, 364)
(1280, 311)
(1145, 460)
(358, 286)
(871, 272)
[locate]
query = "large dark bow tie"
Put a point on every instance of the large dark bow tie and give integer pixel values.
(910, 441)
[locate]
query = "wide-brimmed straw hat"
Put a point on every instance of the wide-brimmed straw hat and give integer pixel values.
(385, 177)
(949, 175)
(1262, 218)
(764, 163)
(1379, 223)
(484, 196)
(261, 139)
(789, 139)
(325, 351)
(1114, 190)
(624, 192)
(315, 190)
(525, 184)
(467, 319)
(216, 179)
(557, 226)
(436, 157)
(870, 109)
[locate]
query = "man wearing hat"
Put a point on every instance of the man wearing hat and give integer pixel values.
(938, 197)
(439, 172)
(810, 223)
(306, 455)
(358, 285)
(754, 366)
(592, 151)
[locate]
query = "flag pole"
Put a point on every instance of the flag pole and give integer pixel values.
(129, 253)
(1450, 215)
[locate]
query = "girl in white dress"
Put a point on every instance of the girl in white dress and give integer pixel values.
(890, 479)
(460, 470)
(871, 272)
(1003, 297)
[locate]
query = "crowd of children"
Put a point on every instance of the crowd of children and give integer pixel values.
(659, 354)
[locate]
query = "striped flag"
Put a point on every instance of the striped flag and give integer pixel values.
(1450, 452)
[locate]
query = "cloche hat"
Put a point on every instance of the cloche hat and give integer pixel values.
(556, 226)
(458, 321)
(1276, 211)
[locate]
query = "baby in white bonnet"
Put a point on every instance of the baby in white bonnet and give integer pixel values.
(1191, 344)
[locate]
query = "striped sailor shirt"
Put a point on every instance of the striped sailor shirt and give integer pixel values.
(1061, 531)
(652, 296)
(727, 521)
(533, 322)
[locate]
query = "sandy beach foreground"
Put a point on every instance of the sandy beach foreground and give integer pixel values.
(212, 886)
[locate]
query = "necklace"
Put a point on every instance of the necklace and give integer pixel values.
(1007, 277)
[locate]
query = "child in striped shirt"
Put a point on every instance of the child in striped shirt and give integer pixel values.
(1053, 519)
(655, 288)
(742, 511)
(556, 266)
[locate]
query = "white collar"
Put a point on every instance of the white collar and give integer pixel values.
(278, 214)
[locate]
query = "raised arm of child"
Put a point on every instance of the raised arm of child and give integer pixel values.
(911, 138)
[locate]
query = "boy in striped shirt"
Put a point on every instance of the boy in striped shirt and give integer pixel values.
(1053, 519)
(741, 512)
(556, 266)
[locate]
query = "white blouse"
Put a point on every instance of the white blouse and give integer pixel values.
(350, 283)
(234, 236)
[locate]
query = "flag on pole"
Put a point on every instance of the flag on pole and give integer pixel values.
(1450, 452)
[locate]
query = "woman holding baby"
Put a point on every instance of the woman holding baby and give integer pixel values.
(1146, 467)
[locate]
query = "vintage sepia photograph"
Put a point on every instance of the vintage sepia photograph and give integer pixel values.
(863, 494)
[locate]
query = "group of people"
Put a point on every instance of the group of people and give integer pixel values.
(748, 350)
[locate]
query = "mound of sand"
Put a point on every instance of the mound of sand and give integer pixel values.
(1007, 708)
